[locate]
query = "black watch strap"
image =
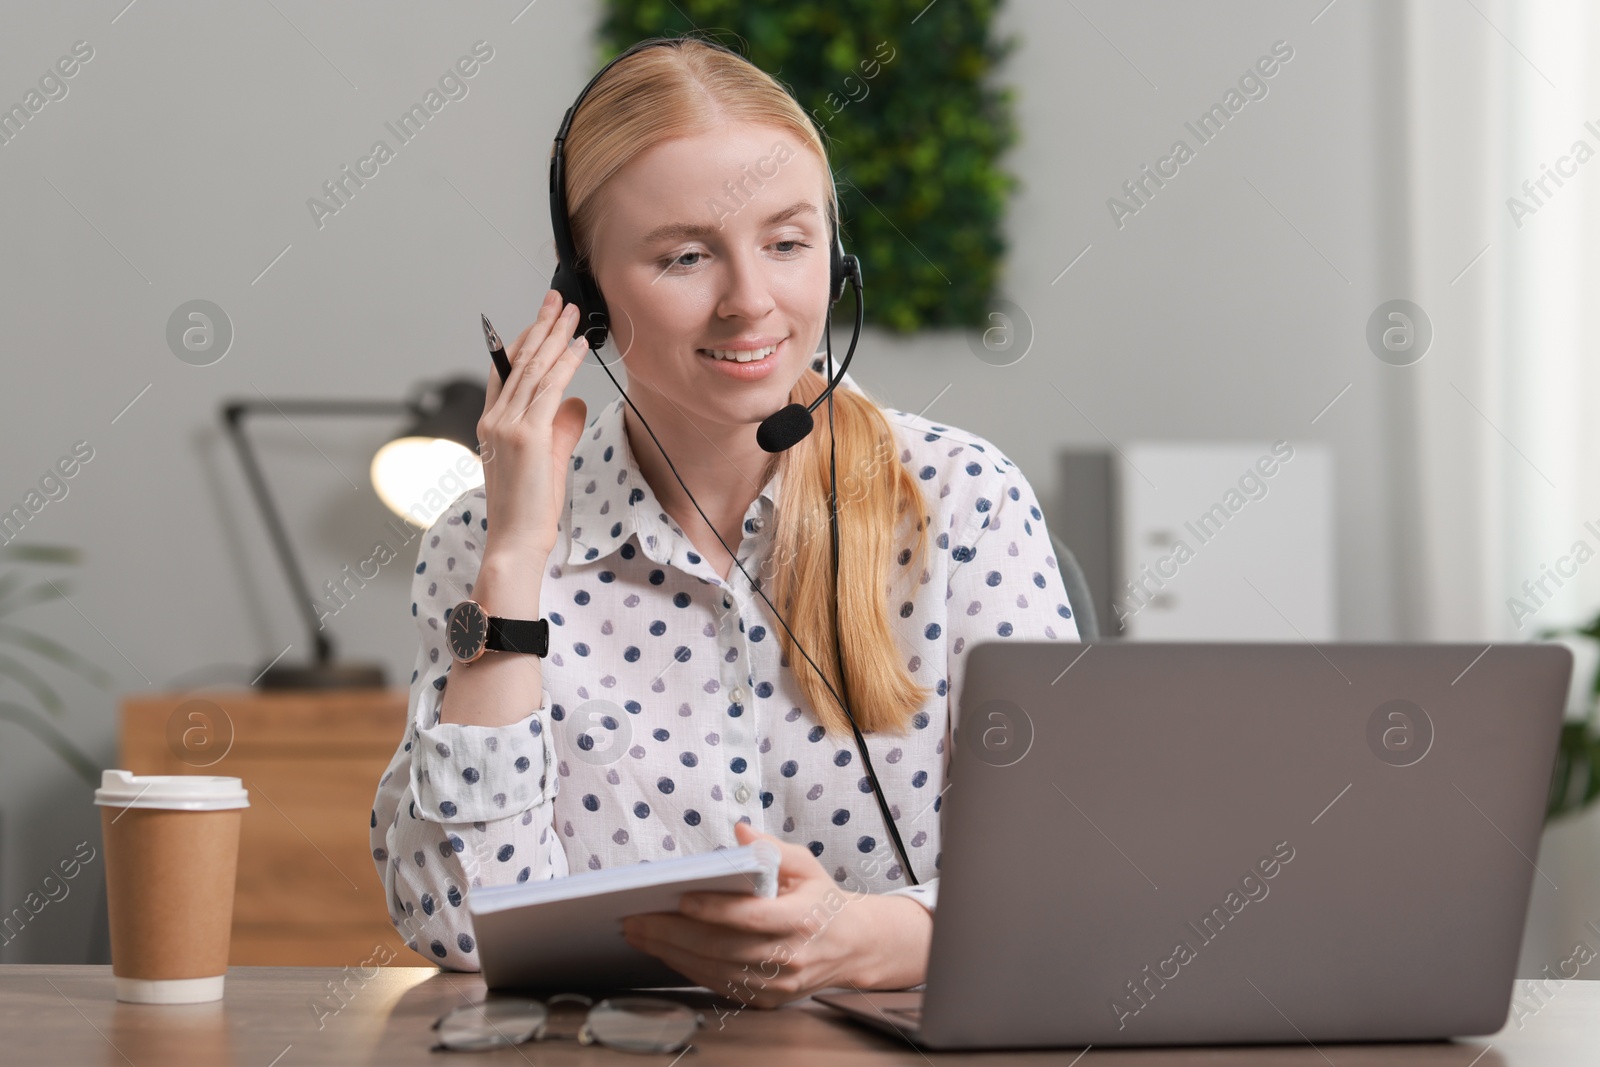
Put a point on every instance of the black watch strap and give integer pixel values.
(518, 635)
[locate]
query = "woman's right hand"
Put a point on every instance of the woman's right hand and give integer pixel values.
(528, 431)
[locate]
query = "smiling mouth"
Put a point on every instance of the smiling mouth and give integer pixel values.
(737, 356)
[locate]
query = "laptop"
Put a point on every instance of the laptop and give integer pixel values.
(1189, 843)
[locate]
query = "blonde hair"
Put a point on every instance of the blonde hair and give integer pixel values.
(689, 88)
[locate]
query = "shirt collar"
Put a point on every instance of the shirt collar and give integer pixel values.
(609, 501)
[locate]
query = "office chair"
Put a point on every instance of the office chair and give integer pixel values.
(1079, 598)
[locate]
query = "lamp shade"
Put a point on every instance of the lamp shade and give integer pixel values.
(420, 471)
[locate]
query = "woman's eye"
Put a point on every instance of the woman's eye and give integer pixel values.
(678, 260)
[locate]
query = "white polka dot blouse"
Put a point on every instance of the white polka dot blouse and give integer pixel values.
(668, 712)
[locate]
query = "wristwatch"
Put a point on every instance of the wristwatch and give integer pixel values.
(473, 631)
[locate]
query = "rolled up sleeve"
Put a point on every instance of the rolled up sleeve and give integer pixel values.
(459, 806)
(475, 773)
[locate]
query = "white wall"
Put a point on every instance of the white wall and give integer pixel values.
(179, 164)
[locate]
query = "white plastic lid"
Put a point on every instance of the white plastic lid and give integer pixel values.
(174, 792)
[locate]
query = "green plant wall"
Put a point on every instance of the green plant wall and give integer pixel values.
(905, 96)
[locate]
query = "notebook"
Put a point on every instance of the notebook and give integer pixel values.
(566, 933)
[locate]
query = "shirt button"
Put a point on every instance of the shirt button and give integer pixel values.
(755, 524)
(742, 794)
(737, 695)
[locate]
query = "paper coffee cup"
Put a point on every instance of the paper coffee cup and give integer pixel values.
(172, 850)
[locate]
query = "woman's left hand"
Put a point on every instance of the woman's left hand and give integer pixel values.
(812, 935)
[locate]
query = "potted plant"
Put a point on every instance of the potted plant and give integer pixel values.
(20, 647)
(1576, 782)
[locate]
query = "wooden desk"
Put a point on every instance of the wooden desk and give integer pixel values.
(68, 1015)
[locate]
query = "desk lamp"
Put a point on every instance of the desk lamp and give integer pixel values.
(440, 440)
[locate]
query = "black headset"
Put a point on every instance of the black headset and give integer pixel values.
(779, 431)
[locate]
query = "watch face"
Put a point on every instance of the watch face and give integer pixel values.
(469, 629)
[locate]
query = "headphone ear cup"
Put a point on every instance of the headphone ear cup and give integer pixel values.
(592, 312)
(565, 284)
(581, 290)
(838, 271)
(844, 269)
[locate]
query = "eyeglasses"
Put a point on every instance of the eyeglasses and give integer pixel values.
(627, 1024)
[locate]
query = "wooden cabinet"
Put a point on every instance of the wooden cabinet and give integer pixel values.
(307, 892)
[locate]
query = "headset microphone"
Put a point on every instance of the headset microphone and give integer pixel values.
(789, 426)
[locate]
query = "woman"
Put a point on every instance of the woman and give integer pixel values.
(673, 713)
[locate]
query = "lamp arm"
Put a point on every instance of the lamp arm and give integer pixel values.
(233, 414)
